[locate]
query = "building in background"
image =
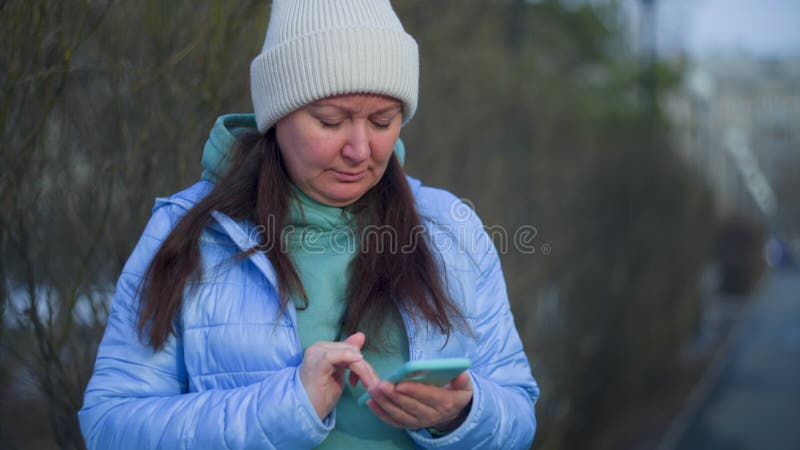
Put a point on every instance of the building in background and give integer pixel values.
(737, 121)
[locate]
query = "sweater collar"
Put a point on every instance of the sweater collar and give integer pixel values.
(307, 213)
(220, 141)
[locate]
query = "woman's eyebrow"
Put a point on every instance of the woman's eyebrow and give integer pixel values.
(387, 109)
(327, 104)
(317, 106)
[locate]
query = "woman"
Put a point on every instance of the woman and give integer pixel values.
(305, 259)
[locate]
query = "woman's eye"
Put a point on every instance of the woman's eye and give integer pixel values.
(381, 125)
(329, 123)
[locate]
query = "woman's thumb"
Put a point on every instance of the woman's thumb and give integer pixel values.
(356, 339)
(461, 382)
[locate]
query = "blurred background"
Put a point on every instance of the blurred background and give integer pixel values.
(654, 146)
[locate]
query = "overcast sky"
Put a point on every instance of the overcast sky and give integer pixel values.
(762, 27)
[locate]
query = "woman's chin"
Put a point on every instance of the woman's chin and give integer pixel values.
(343, 196)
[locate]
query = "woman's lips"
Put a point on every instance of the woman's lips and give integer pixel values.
(349, 176)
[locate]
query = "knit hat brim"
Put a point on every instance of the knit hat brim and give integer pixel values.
(332, 62)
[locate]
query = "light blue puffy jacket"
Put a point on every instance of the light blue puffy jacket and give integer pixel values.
(230, 380)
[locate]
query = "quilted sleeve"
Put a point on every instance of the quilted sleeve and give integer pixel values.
(502, 415)
(137, 398)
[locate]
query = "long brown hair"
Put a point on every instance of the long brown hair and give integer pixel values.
(390, 272)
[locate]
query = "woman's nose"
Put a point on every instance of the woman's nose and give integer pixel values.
(356, 148)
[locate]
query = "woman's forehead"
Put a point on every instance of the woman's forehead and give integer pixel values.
(359, 103)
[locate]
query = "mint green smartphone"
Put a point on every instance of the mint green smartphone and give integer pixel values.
(436, 372)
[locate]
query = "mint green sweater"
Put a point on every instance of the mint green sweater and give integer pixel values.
(321, 246)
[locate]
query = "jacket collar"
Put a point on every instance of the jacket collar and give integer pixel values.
(241, 233)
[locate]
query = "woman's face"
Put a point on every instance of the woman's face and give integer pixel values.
(337, 148)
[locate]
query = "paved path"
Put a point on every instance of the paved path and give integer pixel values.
(755, 402)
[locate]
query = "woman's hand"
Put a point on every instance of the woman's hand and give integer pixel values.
(323, 367)
(415, 405)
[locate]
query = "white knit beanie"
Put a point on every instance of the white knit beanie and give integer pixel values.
(321, 48)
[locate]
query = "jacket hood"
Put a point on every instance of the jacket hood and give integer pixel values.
(223, 134)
